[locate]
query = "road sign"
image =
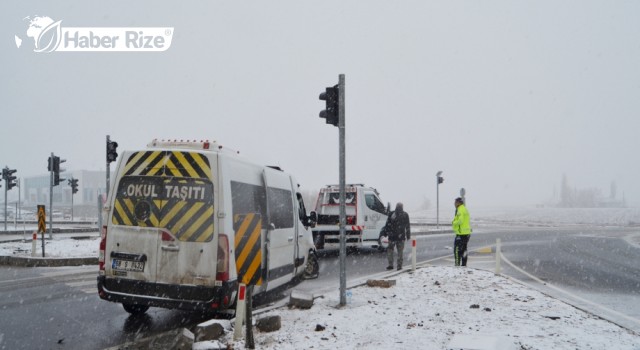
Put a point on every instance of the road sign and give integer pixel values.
(42, 225)
(42, 218)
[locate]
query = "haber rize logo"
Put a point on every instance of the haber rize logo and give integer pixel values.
(49, 35)
(45, 33)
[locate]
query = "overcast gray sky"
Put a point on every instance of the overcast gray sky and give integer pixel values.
(503, 96)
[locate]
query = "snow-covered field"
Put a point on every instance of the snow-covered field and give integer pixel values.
(56, 248)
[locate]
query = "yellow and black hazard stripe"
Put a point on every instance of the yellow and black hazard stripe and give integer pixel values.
(189, 222)
(168, 163)
(248, 248)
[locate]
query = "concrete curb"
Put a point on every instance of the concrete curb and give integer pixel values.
(46, 262)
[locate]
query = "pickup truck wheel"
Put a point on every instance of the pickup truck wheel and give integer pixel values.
(380, 246)
(319, 241)
(312, 269)
(135, 309)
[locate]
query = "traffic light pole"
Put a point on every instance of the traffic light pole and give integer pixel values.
(72, 203)
(343, 211)
(437, 203)
(51, 198)
(6, 185)
(108, 171)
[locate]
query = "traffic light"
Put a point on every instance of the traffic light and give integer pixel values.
(440, 179)
(330, 96)
(74, 185)
(55, 166)
(7, 175)
(111, 151)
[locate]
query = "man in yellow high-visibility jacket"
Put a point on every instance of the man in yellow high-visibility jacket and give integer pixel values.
(462, 228)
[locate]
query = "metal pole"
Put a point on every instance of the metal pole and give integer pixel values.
(498, 254)
(51, 199)
(6, 184)
(71, 201)
(249, 341)
(24, 224)
(108, 171)
(437, 203)
(100, 212)
(343, 211)
(18, 209)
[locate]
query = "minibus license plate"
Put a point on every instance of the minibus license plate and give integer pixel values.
(127, 265)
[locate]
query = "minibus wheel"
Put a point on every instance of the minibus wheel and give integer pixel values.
(312, 269)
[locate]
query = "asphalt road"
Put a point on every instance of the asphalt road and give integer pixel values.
(594, 268)
(59, 308)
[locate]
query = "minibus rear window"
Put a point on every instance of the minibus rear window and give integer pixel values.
(182, 206)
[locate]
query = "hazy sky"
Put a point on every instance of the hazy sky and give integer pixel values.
(503, 96)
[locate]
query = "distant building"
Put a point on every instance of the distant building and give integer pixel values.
(35, 190)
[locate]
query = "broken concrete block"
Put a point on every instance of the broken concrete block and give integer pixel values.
(269, 324)
(211, 330)
(209, 345)
(185, 340)
(300, 300)
(480, 342)
(381, 283)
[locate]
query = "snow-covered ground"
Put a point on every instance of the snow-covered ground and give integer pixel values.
(435, 306)
(57, 248)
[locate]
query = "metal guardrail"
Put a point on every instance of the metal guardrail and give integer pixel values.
(61, 222)
(55, 230)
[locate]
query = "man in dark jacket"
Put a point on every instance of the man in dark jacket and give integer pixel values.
(399, 230)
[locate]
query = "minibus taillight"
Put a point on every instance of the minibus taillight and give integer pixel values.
(222, 273)
(351, 220)
(103, 247)
(167, 237)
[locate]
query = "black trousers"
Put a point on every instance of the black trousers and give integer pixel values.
(460, 249)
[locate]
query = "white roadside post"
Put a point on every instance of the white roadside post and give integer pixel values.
(240, 312)
(33, 244)
(413, 253)
(498, 253)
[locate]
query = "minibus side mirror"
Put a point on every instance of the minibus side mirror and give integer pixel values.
(312, 220)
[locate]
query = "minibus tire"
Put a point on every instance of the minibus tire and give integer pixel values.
(312, 268)
(135, 309)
